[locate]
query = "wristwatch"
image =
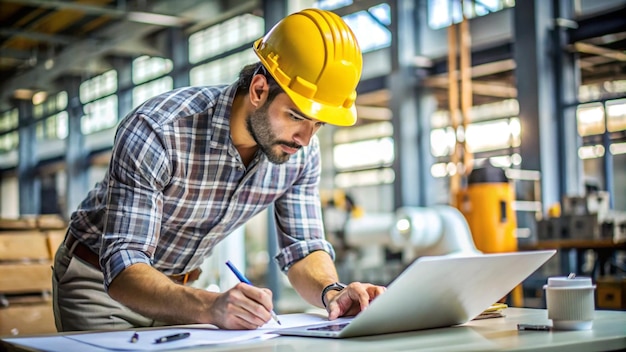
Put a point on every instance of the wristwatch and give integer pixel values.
(336, 286)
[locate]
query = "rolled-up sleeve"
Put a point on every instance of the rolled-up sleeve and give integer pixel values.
(139, 170)
(298, 214)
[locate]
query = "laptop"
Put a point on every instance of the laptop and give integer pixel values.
(434, 292)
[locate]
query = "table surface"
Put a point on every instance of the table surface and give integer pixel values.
(496, 334)
(575, 243)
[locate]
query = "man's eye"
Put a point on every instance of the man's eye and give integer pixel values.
(295, 117)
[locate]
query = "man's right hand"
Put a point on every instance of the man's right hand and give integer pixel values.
(242, 307)
(152, 294)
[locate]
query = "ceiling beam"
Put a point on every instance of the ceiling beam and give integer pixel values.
(38, 37)
(483, 70)
(158, 19)
(489, 89)
(72, 5)
(601, 51)
(9, 53)
(225, 14)
(79, 53)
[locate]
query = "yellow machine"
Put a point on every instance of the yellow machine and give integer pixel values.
(486, 203)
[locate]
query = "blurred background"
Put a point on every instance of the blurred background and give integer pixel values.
(484, 125)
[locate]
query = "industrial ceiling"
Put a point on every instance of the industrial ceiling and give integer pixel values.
(42, 41)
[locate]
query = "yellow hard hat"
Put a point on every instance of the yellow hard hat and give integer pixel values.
(316, 60)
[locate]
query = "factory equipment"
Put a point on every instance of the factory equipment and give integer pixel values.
(437, 230)
(584, 218)
(412, 231)
(486, 203)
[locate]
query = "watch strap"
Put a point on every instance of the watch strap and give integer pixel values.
(335, 286)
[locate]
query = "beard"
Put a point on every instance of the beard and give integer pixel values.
(259, 127)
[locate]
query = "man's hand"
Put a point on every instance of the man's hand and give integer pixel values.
(150, 293)
(352, 299)
(243, 307)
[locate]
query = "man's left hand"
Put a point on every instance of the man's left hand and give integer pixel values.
(352, 299)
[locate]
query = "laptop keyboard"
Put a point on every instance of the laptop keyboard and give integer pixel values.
(333, 327)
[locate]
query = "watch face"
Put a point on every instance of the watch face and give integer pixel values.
(337, 286)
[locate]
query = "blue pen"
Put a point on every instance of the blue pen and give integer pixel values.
(245, 280)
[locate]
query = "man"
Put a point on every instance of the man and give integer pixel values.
(190, 166)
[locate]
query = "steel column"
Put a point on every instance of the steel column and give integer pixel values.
(412, 106)
(533, 22)
(567, 81)
(77, 165)
(179, 53)
(29, 184)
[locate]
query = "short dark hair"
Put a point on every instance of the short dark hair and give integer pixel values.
(245, 78)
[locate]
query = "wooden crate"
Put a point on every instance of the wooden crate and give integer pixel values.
(22, 223)
(24, 245)
(45, 222)
(27, 248)
(55, 238)
(611, 293)
(26, 278)
(27, 319)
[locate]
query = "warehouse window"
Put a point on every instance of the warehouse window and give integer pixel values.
(493, 135)
(442, 13)
(148, 90)
(618, 148)
(493, 126)
(221, 71)
(52, 117)
(53, 127)
(442, 141)
(98, 87)
(99, 115)
(590, 119)
(363, 155)
(370, 27)
(332, 4)
(225, 36)
(596, 119)
(616, 115)
(38, 111)
(8, 134)
(100, 102)
(146, 68)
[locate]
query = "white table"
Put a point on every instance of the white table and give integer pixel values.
(497, 334)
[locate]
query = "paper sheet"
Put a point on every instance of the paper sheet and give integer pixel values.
(200, 334)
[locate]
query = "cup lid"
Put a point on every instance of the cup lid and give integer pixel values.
(569, 281)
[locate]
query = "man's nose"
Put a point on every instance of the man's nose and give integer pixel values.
(304, 134)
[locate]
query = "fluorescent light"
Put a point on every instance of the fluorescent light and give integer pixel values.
(39, 97)
(155, 18)
(618, 148)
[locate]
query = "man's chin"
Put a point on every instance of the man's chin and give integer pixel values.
(274, 159)
(278, 157)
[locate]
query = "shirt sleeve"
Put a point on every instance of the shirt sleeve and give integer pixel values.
(298, 214)
(138, 172)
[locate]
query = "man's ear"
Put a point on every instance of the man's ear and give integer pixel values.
(258, 90)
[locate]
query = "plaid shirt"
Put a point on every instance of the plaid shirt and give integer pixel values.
(176, 186)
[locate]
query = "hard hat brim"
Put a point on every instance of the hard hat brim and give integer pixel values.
(334, 115)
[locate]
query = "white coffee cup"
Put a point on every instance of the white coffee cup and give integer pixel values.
(570, 302)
